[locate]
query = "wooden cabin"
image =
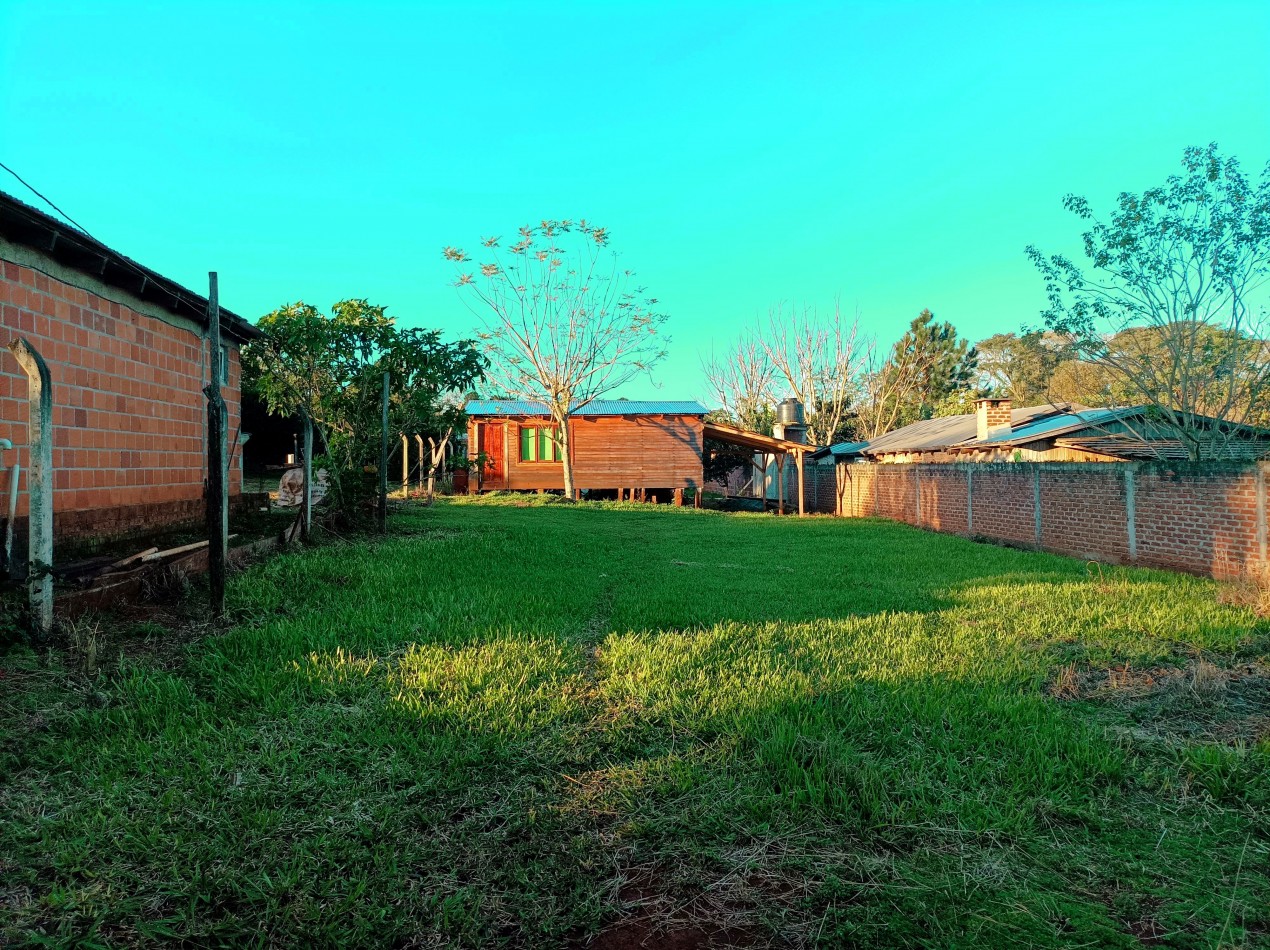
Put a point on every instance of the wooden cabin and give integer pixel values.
(617, 444)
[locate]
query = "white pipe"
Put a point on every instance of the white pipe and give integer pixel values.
(6, 445)
(13, 514)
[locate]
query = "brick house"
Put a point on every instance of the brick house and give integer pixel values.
(128, 353)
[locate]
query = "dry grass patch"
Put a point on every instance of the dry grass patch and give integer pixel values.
(1200, 700)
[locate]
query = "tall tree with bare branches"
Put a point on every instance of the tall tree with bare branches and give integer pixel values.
(820, 357)
(564, 322)
(742, 382)
(1171, 299)
(815, 356)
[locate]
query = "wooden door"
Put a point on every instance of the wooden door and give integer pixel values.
(492, 446)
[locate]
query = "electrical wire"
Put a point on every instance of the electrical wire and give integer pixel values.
(83, 230)
(48, 201)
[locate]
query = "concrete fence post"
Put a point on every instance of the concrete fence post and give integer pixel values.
(970, 499)
(1131, 509)
(1036, 502)
(1262, 539)
(39, 483)
(917, 493)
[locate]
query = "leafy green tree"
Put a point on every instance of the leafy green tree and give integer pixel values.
(331, 367)
(1171, 298)
(1020, 365)
(564, 323)
(1086, 384)
(926, 367)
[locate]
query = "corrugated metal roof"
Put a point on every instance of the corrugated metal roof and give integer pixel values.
(1034, 424)
(1051, 426)
(931, 435)
(1130, 447)
(840, 450)
(600, 407)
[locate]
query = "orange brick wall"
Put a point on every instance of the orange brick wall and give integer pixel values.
(129, 414)
(1203, 518)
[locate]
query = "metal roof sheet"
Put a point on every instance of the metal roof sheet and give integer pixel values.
(598, 407)
(1130, 447)
(931, 435)
(1051, 426)
(840, 450)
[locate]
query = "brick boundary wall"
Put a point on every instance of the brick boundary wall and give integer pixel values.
(819, 487)
(129, 415)
(1206, 518)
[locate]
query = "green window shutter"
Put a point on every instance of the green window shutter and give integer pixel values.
(527, 444)
(544, 446)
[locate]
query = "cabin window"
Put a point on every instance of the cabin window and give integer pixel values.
(540, 444)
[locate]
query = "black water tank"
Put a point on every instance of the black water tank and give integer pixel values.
(789, 412)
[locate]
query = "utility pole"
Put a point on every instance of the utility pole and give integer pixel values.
(381, 511)
(217, 460)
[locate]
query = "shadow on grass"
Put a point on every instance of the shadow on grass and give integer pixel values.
(518, 725)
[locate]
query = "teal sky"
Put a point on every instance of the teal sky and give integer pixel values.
(894, 156)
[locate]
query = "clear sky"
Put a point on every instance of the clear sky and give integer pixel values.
(891, 155)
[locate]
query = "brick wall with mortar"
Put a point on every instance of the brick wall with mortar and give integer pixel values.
(820, 484)
(1204, 518)
(943, 496)
(129, 413)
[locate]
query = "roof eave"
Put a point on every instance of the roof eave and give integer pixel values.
(22, 224)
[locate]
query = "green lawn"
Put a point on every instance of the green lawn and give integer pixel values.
(538, 725)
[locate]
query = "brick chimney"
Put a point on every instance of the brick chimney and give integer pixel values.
(994, 417)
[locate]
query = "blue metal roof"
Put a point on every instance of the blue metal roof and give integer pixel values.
(840, 450)
(599, 407)
(1057, 424)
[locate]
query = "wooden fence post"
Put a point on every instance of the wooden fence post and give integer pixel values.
(306, 511)
(405, 466)
(381, 508)
(419, 447)
(39, 484)
(798, 462)
(217, 460)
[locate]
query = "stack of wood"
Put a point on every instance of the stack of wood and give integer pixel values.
(102, 572)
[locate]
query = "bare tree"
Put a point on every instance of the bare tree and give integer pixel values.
(821, 358)
(1170, 302)
(817, 357)
(564, 324)
(743, 381)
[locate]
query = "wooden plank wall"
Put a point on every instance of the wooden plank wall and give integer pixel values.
(609, 452)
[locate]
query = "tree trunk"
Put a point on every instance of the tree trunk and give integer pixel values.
(567, 460)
